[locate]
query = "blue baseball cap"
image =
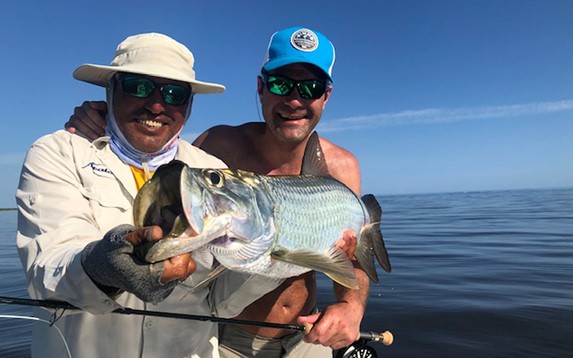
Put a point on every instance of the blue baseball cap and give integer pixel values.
(300, 45)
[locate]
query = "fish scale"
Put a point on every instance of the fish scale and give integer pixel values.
(302, 216)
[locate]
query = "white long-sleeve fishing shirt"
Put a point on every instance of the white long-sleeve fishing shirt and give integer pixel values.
(71, 192)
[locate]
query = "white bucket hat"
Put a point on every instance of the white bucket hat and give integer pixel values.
(149, 54)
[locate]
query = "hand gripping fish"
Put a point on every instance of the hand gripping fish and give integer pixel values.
(278, 226)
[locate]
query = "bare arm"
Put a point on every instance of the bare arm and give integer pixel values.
(88, 119)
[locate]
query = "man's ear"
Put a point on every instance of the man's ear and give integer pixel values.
(190, 108)
(260, 87)
(326, 96)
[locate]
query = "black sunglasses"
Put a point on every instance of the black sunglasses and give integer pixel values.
(282, 86)
(142, 87)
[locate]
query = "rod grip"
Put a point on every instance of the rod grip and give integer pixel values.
(386, 337)
(307, 328)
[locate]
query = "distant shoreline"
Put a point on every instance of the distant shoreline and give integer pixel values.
(7, 209)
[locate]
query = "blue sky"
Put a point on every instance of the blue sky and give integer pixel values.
(431, 96)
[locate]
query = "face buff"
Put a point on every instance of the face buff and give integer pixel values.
(149, 162)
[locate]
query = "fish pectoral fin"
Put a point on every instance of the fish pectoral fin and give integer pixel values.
(217, 271)
(203, 257)
(335, 264)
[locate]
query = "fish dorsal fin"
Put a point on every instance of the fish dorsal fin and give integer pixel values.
(335, 264)
(313, 161)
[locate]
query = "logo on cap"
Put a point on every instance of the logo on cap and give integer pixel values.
(304, 40)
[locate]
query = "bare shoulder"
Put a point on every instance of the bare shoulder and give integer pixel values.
(228, 143)
(215, 135)
(342, 164)
(338, 159)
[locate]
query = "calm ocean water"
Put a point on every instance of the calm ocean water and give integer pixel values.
(479, 274)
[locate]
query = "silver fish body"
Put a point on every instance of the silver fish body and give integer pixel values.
(278, 226)
(311, 213)
(284, 225)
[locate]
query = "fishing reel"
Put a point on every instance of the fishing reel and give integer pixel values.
(358, 349)
(361, 349)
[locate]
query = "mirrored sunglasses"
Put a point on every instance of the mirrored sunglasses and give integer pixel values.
(142, 87)
(282, 86)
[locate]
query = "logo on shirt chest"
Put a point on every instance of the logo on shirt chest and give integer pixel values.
(100, 170)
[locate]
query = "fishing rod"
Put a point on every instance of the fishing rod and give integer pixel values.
(385, 338)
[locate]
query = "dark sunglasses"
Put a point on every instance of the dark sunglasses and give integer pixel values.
(143, 87)
(282, 86)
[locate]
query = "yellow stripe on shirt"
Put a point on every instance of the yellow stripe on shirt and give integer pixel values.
(139, 176)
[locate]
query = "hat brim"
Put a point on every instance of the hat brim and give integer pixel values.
(101, 75)
(284, 61)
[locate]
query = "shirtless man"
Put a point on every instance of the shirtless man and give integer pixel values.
(294, 87)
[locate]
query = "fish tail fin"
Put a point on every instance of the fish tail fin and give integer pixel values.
(371, 241)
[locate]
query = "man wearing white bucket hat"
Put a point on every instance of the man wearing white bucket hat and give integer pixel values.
(75, 197)
(294, 87)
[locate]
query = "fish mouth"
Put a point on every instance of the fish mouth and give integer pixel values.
(223, 241)
(157, 202)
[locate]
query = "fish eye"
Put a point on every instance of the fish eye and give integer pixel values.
(215, 178)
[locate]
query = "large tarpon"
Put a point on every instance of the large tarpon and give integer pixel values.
(278, 226)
